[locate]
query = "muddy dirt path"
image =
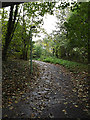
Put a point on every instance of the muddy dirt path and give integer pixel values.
(51, 97)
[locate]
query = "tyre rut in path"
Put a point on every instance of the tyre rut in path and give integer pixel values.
(51, 97)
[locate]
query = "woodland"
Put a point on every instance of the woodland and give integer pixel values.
(69, 41)
(67, 46)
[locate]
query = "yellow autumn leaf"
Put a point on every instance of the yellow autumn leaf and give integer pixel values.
(64, 111)
(21, 93)
(16, 101)
(11, 108)
(76, 105)
(65, 103)
(9, 98)
(9, 102)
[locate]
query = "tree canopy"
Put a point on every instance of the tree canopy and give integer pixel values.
(68, 41)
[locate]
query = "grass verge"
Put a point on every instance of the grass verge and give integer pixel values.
(72, 66)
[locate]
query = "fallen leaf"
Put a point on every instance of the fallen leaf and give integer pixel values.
(10, 102)
(5, 115)
(64, 111)
(76, 105)
(16, 101)
(11, 107)
(65, 103)
(32, 115)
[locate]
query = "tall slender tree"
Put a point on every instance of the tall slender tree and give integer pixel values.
(10, 30)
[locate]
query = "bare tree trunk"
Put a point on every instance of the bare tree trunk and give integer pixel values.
(10, 31)
(24, 38)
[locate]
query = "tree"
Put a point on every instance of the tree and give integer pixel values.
(70, 39)
(25, 48)
(37, 52)
(10, 30)
(59, 34)
(33, 9)
(3, 22)
(34, 13)
(77, 31)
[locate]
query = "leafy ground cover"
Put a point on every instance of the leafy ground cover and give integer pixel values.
(72, 66)
(16, 79)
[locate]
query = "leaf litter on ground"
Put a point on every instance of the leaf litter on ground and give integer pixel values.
(16, 80)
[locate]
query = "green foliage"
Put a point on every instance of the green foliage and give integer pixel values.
(16, 45)
(3, 14)
(33, 12)
(37, 51)
(72, 66)
(71, 39)
(77, 27)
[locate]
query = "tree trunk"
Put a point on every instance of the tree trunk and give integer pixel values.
(57, 52)
(24, 38)
(53, 51)
(10, 30)
(24, 52)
